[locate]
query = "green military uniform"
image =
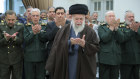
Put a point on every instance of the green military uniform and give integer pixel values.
(11, 52)
(130, 54)
(44, 20)
(110, 52)
(35, 54)
(96, 22)
(2, 21)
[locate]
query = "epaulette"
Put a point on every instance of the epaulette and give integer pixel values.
(122, 24)
(103, 24)
(18, 23)
(43, 24)
(44, 18)
(2, 23)
(28, 24)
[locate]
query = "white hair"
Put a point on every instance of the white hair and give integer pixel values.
(35, 10)
(106, 14)
(128, 11)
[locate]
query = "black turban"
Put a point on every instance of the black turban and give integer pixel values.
(78, 9)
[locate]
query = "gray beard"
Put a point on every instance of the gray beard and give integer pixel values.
(127, 22)
(78, 29)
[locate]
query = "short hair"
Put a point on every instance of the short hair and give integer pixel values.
(88, 12)
(106, 14)
(94, 13)
(10, 12)
(60, 8)
(29, 7)
(50, 7)
(128, 11)
(35, 10)
(43, 11)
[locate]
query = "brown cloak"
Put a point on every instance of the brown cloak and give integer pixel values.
(57, 63)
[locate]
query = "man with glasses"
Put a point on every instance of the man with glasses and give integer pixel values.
(34, 54)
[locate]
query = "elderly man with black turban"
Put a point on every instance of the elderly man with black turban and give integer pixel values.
(73, 52)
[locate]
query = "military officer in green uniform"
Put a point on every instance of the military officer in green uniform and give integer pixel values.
(130, 48)
(94, 18)
(43, 16)
(35, 54)
(110, 52)
(11, 52)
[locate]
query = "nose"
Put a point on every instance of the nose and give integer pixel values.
(132, 18)
(79, 20)
(10, 21)
(60, 15)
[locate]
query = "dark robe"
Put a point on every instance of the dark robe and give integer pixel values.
(57, 63)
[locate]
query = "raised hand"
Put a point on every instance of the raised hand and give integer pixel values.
(116, 23)
(7, 36)
(80, 41)
(14, 35)
(73, 41)
(36, 28)
(91, 25)
(134, 26)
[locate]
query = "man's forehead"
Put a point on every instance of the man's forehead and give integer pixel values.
(111, 14)
(95, 14)
(13, 15)
(60, 10)
(130, 14)
(35, 13)
(51, 9)
(43, 13)
(29, 9)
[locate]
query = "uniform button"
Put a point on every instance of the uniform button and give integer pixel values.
(8, 47)
(8, 52)
(13, 46)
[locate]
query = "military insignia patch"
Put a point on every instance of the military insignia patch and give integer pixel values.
(102, 24)
(43, 24)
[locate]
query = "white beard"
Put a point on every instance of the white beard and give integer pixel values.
(77, 29)
(127, 22)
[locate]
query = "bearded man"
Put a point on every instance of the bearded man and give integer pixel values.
(129, 68)
(73, 52)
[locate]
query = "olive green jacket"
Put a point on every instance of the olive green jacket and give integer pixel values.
(35, 47)
(131, 46)
(11, 51)
(110, 51)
